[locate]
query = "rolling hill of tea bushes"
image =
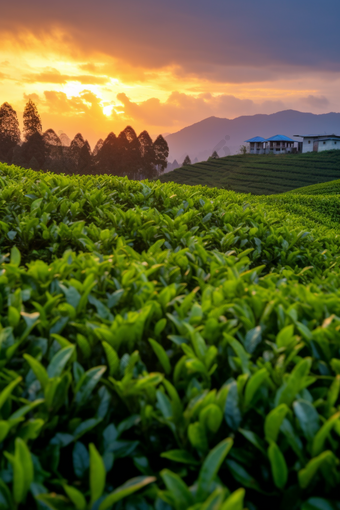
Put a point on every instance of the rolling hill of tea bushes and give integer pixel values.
(167, 347)
(260, 175)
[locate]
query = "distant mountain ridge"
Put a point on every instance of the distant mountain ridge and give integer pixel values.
(226, 136)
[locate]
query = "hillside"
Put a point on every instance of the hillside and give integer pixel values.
(226, 136)
(166, 346)
(260, 175)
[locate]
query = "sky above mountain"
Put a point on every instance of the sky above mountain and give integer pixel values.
(97, 66)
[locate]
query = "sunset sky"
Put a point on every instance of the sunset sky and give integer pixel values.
(96, 67)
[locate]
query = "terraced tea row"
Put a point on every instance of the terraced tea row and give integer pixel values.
(260, 174)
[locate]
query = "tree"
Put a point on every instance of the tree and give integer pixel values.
(33, 152)
(161, 153)
(80, 155)
(187, 161)
(54, 160)
(133, 160)
(85, 161)
(243, 149)
(98, 146)
(148, 155)
(214, 155)
(32, 120)
(106, 159)
(51, 138)
(9, 131)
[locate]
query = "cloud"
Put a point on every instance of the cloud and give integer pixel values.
(182, 108)
(51, 75)
(316, 101)
(35, 97)
(219, 41)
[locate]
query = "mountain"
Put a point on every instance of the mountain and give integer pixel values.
(225, 136)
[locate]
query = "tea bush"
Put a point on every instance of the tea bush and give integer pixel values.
(166, 347)
(263, 174)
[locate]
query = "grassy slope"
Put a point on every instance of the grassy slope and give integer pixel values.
(261, 175)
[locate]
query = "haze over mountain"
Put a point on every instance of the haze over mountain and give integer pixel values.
(226, 136)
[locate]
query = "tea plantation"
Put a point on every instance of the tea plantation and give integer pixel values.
(167, 347)
(261, 175)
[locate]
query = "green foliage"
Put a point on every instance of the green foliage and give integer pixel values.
(166, 347)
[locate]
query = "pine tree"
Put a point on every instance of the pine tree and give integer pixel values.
(148, 155)
(122, 155)
(9, 131)
(32, 120)
(51, 138)
(34, 149)
(54, 160)
(98, 146)
(85, 162)
(133, 161)
(161, 152)
(106, 159)
(187, 161)
(80, 155)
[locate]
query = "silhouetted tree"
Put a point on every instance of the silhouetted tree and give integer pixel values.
(51, 138)
(33, 152)
(32, 120)
(133, 161)
(122, 155)
(107, 158)
(65, 141)
(9, 132)
(148, 156)
(161, 152)
(187, 161)
(85, 161)
(54, 158)
(80, 159)
(97, 147)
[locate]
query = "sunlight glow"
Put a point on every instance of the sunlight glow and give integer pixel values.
(107, 110)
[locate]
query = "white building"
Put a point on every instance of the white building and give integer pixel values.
(319, 143)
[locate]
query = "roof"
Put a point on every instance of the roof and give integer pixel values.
(319, 136)
(279, 138)
(256, 139)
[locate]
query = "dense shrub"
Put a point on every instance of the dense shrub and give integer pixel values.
(165, 347)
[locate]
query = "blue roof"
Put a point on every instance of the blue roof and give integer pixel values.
(279, 138)
(256, 139)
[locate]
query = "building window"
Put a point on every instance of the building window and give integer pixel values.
(308, 141)
(334, 143)
(324, 143)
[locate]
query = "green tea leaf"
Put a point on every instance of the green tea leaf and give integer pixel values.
(76, 497)
(278, 465)
(210, 467)
(178, 489)
(321, 436)
(97, 474)
(234, 501)
(161, 355)
(125, 490)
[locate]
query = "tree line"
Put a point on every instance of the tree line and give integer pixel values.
(127, 154)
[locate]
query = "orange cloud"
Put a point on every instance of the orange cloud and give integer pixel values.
(180, 108)
(54, 76)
